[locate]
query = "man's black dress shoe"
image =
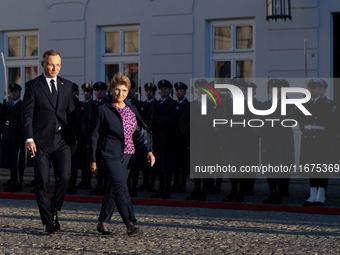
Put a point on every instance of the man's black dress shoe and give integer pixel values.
(194, 195)
(133, 193)
(72, 191)
(270, 199)
(95, 191)
(202, 197)
(158, 194)
(307, 203)
(142, 187)
(31, 184)
(103, 232)
(87, 186)
(230, 198)
(48, 230)
(55, 222)
(13, 188)
(80, 185)
(7, 183)
(166, 195)
(239, 198)
(317, 203)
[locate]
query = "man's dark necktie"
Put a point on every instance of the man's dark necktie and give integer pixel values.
(55, 101)
(54, 93)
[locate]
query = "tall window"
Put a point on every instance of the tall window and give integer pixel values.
(232, 50)
(22, 56)
(120, 52)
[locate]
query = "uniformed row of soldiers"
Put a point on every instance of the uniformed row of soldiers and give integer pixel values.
(12, 145)
(240, 144)
(169, 121)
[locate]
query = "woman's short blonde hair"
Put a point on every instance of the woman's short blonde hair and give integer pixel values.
(119, 79)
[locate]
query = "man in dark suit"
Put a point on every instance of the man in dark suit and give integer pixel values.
(12, 139)
(47, 103)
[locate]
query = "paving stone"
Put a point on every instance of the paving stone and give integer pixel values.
(167, 230)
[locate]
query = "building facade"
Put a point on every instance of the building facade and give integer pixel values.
(150, 40)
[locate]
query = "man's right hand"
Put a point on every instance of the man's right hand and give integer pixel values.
(31, 148)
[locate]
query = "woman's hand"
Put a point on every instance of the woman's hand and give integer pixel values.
(94, 168)
(151, 158)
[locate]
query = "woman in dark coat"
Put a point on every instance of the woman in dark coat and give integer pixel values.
(117, 131)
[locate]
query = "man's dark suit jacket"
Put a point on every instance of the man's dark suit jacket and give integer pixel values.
(107, 139)
(39, 112)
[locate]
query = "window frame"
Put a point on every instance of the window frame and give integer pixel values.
(233, 54)
(23, 61)
(22, 35)
(122, 57)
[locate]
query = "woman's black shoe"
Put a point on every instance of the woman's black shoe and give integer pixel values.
(132, 231)
(103, 232)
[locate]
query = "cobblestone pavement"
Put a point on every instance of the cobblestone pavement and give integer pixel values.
(166, 230)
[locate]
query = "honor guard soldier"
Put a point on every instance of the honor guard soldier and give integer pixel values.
(131, 96)
(250, 182)
(163, 119)
(85, 134)
(100, 89)
(149, 177)
(277, 144)
(236, 144)
(150, 92)
(335, 149)
(316, 139)
(74, 122)
(199, 147)
(214, 185)
(13, 144)
(181, 171)
(139, 162)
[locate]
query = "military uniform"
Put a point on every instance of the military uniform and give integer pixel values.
(181, 144)
(255, 143)
(237, 145)
(162, 119)
(85, 127)
(139, 160)
(200, 126)
(101, 180)
(13, 144)
(74, 124)
(277, 144)
(316, 140)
